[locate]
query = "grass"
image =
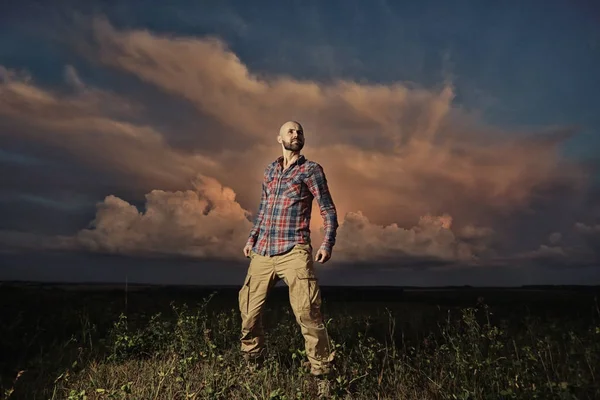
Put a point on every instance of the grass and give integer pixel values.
(69, 345)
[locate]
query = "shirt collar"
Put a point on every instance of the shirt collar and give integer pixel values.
(299, 161)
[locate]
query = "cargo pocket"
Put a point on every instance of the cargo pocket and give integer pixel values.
(244, 295)
(307, 295)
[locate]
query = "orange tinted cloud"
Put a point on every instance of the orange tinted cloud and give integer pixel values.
(393, 154)
(409, 147)
(205, 222)
(361, 240)
(92, 126)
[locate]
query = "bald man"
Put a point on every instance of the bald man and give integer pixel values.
(279, 247)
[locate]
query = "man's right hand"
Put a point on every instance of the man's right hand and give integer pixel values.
(247, 250)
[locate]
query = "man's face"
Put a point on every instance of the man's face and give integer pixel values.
(292, 137)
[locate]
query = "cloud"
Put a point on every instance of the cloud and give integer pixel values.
(577, 247)
(205, 222)
(72, 77)
(588, 230)
(431, 239)
(205, 72)
(208, 222)
(440, 157)
(431, 180)
(591, 235)
(555, 237)
(93, 128)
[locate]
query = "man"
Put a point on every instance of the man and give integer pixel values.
(279, 247)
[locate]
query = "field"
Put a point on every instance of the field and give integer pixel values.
(102, 342)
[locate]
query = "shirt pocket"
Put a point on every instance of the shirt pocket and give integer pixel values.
(293, 188)
(270, 183)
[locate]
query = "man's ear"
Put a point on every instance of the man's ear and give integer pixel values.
(279, 139)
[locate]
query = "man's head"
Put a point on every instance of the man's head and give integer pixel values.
(291, 136)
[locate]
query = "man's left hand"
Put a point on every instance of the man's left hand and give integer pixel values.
(322, 256)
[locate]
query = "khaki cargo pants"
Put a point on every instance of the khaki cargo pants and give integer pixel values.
(296, 269)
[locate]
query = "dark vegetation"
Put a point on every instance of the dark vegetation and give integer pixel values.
(88, 342)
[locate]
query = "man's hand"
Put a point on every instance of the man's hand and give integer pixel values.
(322, 256)
(247, 250)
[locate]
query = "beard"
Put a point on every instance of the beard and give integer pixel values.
(293, 146)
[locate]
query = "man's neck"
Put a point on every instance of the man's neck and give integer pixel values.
(289, 157)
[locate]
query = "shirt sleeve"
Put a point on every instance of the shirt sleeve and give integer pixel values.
(259, 217)
(317, 184)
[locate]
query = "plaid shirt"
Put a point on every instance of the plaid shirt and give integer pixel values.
(283, 217)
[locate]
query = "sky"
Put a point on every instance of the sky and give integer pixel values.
(460, 140)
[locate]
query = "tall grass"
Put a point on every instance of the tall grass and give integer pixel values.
(192, 353)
